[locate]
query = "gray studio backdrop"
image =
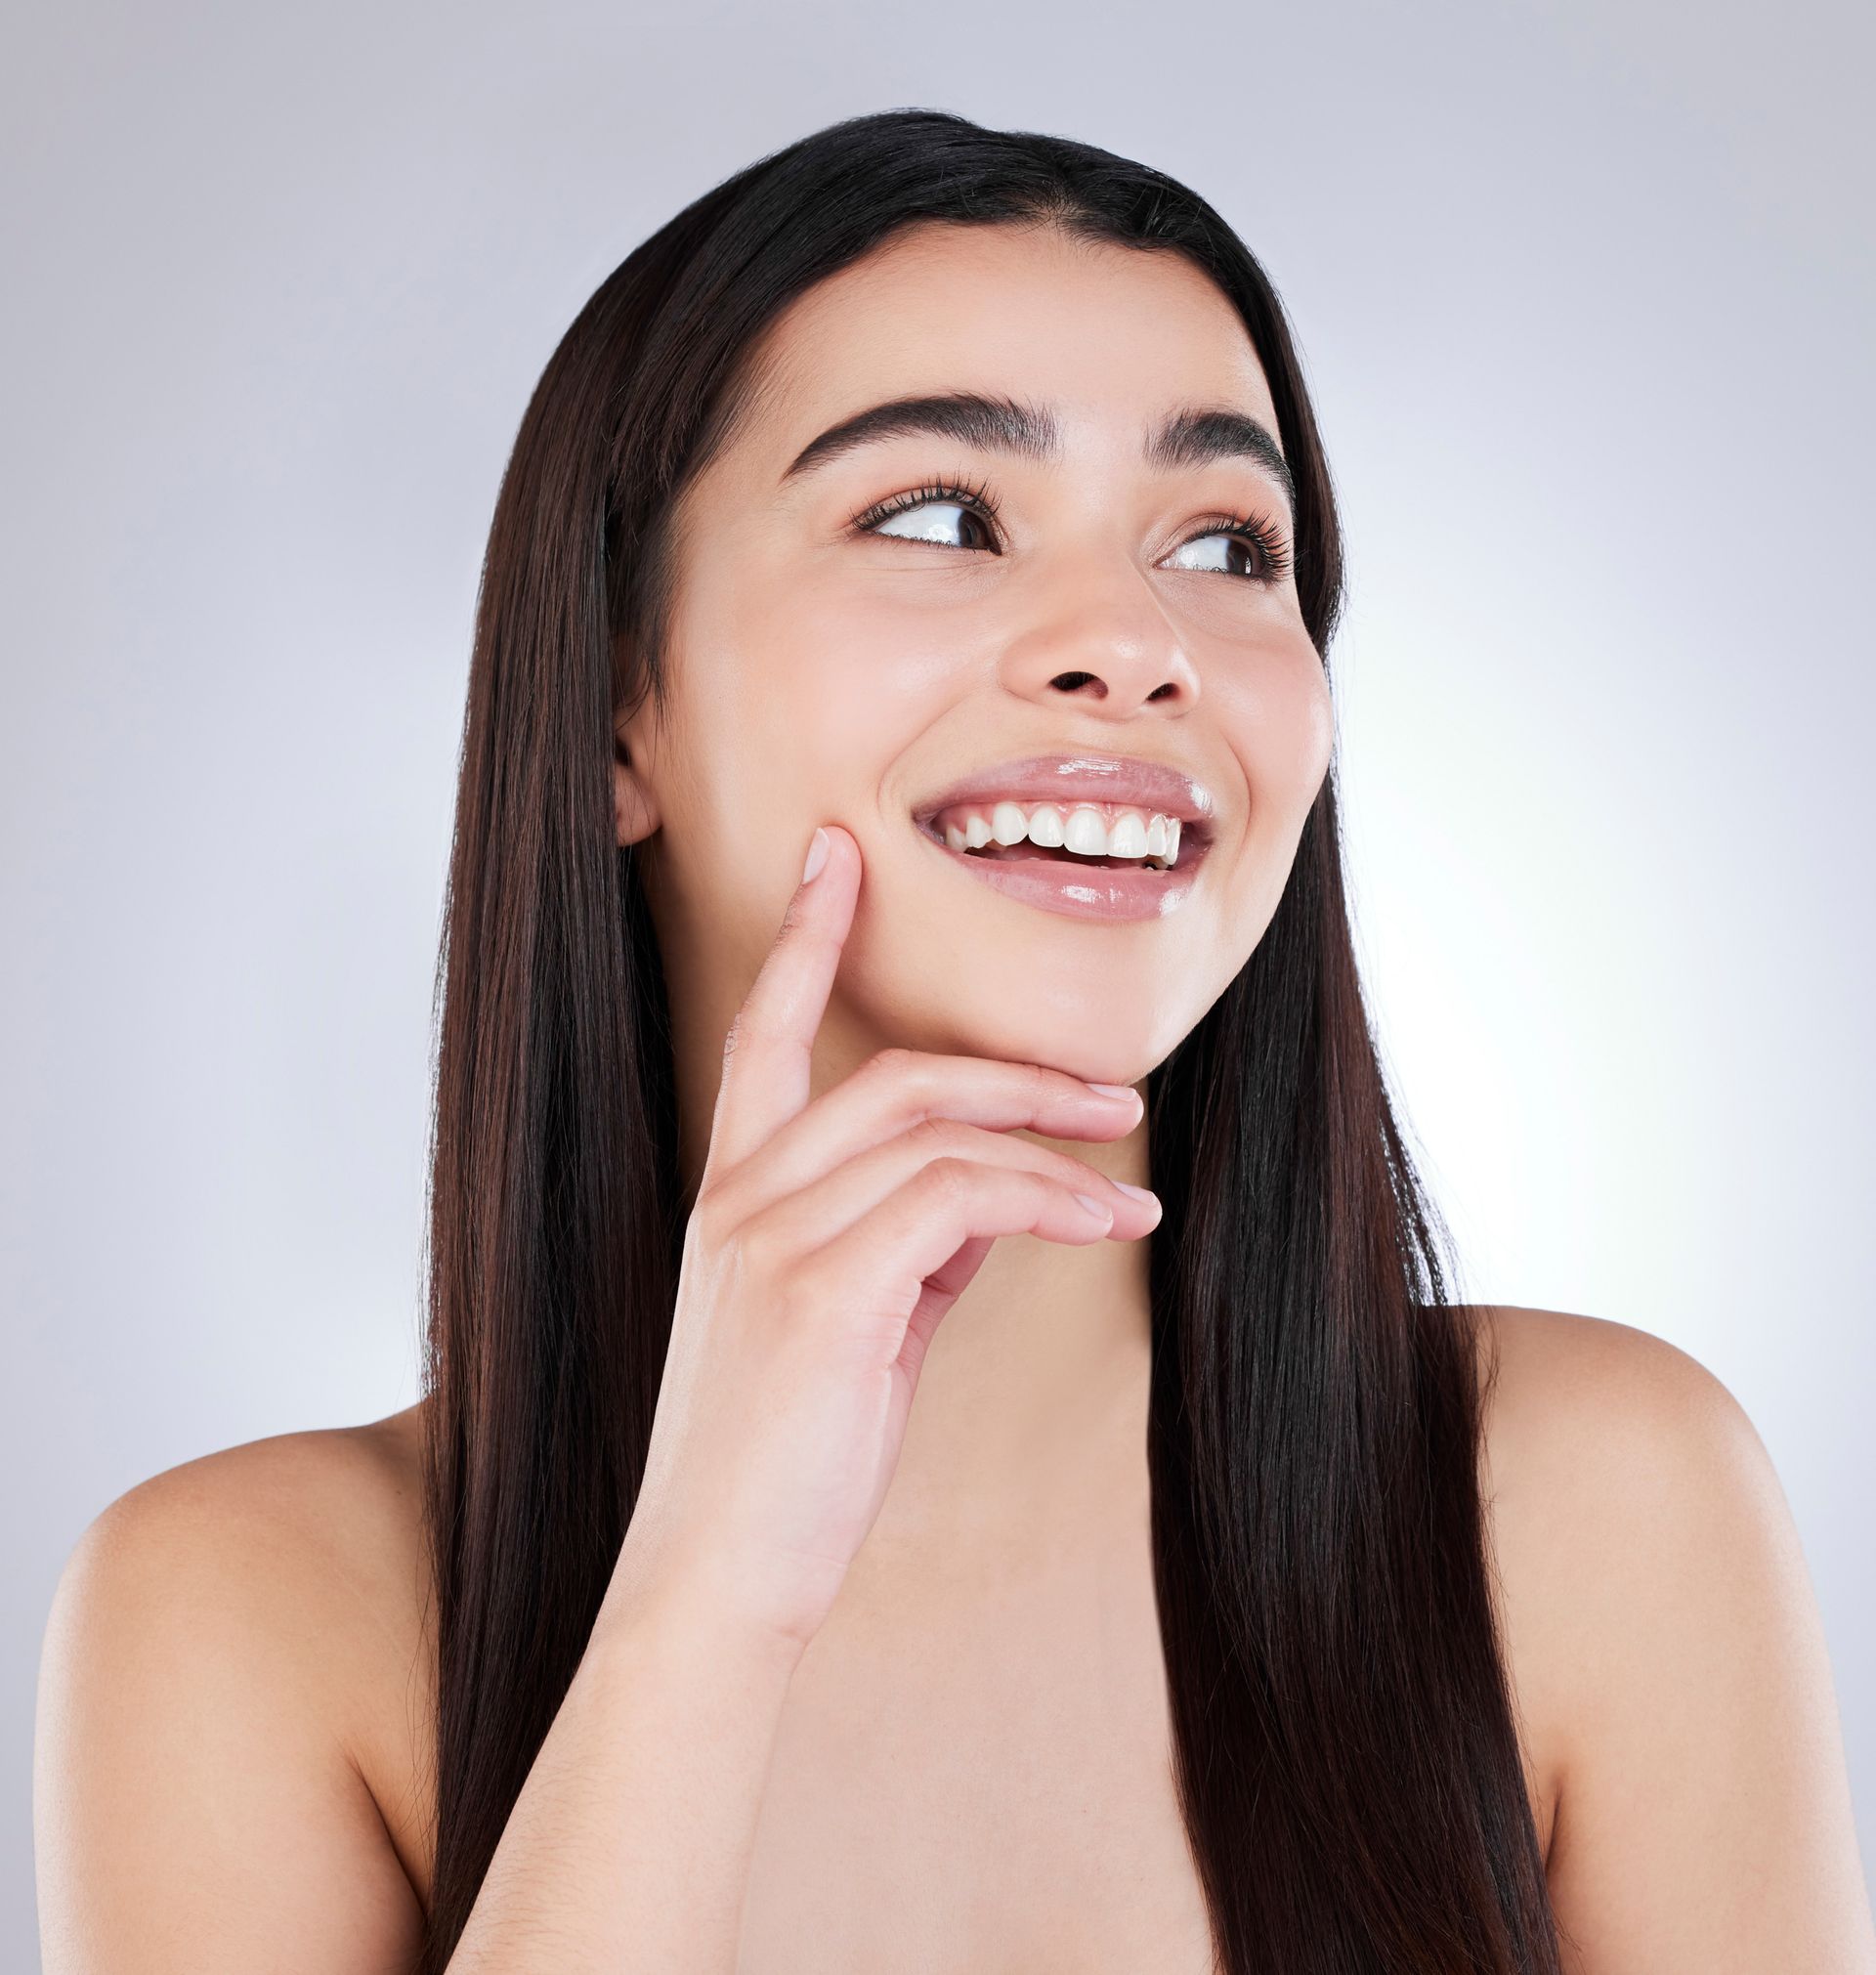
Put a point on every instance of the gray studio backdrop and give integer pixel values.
(1584, 293)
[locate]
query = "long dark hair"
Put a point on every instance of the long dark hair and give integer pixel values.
(1344, 1743)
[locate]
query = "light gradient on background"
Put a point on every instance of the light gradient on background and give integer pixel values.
(1583, 296)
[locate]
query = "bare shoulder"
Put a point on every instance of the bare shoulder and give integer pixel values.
(1670, 1660)
(334, 1494)
(233, 1694)
(1551, 1364)
(1581, 1413)
(311, 1542)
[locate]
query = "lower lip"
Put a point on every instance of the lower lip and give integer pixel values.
(1083, 891)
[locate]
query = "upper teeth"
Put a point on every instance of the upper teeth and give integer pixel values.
(1085, 829)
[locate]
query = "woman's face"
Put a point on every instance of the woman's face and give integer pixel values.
(1102, 605)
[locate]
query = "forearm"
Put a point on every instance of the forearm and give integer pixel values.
(629, 1848)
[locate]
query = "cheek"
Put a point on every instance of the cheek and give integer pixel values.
(1280, 722)
(1285, 729)
(793, 708)
(1316, 738)
(820, 645)
(837, 685)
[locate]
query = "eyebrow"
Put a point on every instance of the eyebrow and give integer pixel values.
(1193, 436)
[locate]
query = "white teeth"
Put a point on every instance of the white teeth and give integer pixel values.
(1128, 838)
(1086, 833)
(1083, 829)
(1009, 824)
(1045, 825)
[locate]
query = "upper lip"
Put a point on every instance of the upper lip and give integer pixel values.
(1083, 778)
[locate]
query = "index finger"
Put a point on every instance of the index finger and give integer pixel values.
(769, 1050)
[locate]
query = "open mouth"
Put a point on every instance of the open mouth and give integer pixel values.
(1195, 837)
(1089, 834)
(1081, 885)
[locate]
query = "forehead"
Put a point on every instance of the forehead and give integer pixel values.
(1110, 338)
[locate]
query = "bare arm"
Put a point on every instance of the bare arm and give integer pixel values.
(628, 1847)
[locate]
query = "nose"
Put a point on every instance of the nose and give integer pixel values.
(1108, 644)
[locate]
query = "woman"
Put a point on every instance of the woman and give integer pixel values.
(945, 504)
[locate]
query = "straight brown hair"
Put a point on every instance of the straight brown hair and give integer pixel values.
(1345, 1746)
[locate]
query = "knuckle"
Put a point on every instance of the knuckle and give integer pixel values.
(949, 1177)
(753, 1249)
(1063, 1169)
(799, 1294)
(920, 1081)
(711, 1215)
(1039, 1185)
(1044, 1082)
(935, 1137)
(894, 1064)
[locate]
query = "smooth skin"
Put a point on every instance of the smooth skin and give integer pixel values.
(877, 1681)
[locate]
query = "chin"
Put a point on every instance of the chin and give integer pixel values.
(1074, 1020)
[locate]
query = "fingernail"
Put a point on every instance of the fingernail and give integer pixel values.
(817, 856)
(1115, 1090)
(1138, 1192)
(1099, 1207)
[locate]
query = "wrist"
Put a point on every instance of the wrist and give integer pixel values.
(690, 1618)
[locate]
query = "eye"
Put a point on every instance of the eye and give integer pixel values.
(970, 504)
(946, 507)
(1255, 534)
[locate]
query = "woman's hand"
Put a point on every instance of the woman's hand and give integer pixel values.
(826, 1242)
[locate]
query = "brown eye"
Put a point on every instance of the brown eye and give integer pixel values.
(933, 521)
(1254, 550)
(968, 508)
(1237, 557)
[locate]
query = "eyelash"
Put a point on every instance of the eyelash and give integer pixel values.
(1258, 527)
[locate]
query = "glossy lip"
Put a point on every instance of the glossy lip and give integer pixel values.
(1130, 780)
(1083, 890)
(1074, 890)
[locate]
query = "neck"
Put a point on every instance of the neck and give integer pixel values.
(1032, 1401)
